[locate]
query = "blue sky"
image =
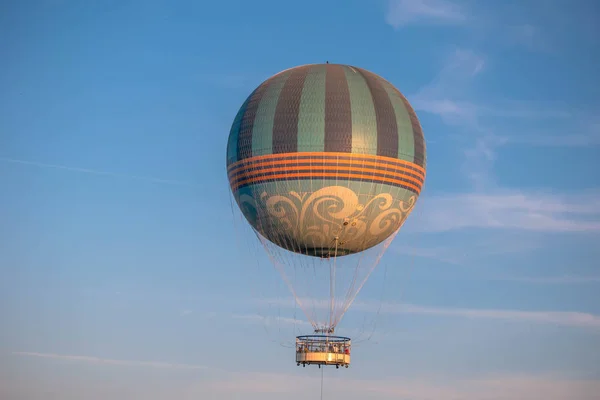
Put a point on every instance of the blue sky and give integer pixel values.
(123, 273)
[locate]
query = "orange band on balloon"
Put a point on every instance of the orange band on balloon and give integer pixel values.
(328, 157)
(321, 175)
(364, 173)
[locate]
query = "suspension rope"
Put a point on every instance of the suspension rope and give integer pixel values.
(403, 286)
(322, 369)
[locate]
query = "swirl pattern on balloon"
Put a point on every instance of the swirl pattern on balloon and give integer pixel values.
(331, 221)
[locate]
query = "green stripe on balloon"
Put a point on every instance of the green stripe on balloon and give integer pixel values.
(364, 123)
(338, 113)
(311, 118)
(285, 120)
(419, 157)
(244, 148)
(234, 133)
(387, 130)
(262, 129)
(404, 126)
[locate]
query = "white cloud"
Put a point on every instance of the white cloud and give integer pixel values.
(451, 111)
(505, 387)
(228, 385)
(552, 280)
(245, 81)
(108, 361)
(97, 172)
(348, 384)
(462, 252)
(450, 96)
(228, 81)
(447, 103)
(562, 318)
(583, 134)
(304, 327)
(528, 36)
(500, 387)
(405, 12)
(459, 69)
(542, 212)
(271, 320)
(445, 254)
(553, 140)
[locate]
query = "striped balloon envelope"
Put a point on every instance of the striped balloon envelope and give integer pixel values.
(326, 160)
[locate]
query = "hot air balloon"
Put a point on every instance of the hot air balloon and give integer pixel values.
(326, 162)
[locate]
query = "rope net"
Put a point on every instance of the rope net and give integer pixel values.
(325, 235)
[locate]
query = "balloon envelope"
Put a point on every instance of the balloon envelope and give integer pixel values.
(326, 160)
(326, 155)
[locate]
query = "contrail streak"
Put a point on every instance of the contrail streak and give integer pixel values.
(97, 360)
(96, 172)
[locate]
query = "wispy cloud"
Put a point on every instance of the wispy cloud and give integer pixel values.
(296, 386)
(552, 280)
(445, 254)
(405, 12)
(553, 140)
(501, 387)
(498, 387)
(583, 134)
(228, 81)
(528, 36)
(108, 361)
(480, 120)
(271, 320)
(302, 326)
(542, 212)
(563, 318)
(451, 96)
(434, 99)
(96, 172)
(463, 252)
(228, 385)
(453, 80)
